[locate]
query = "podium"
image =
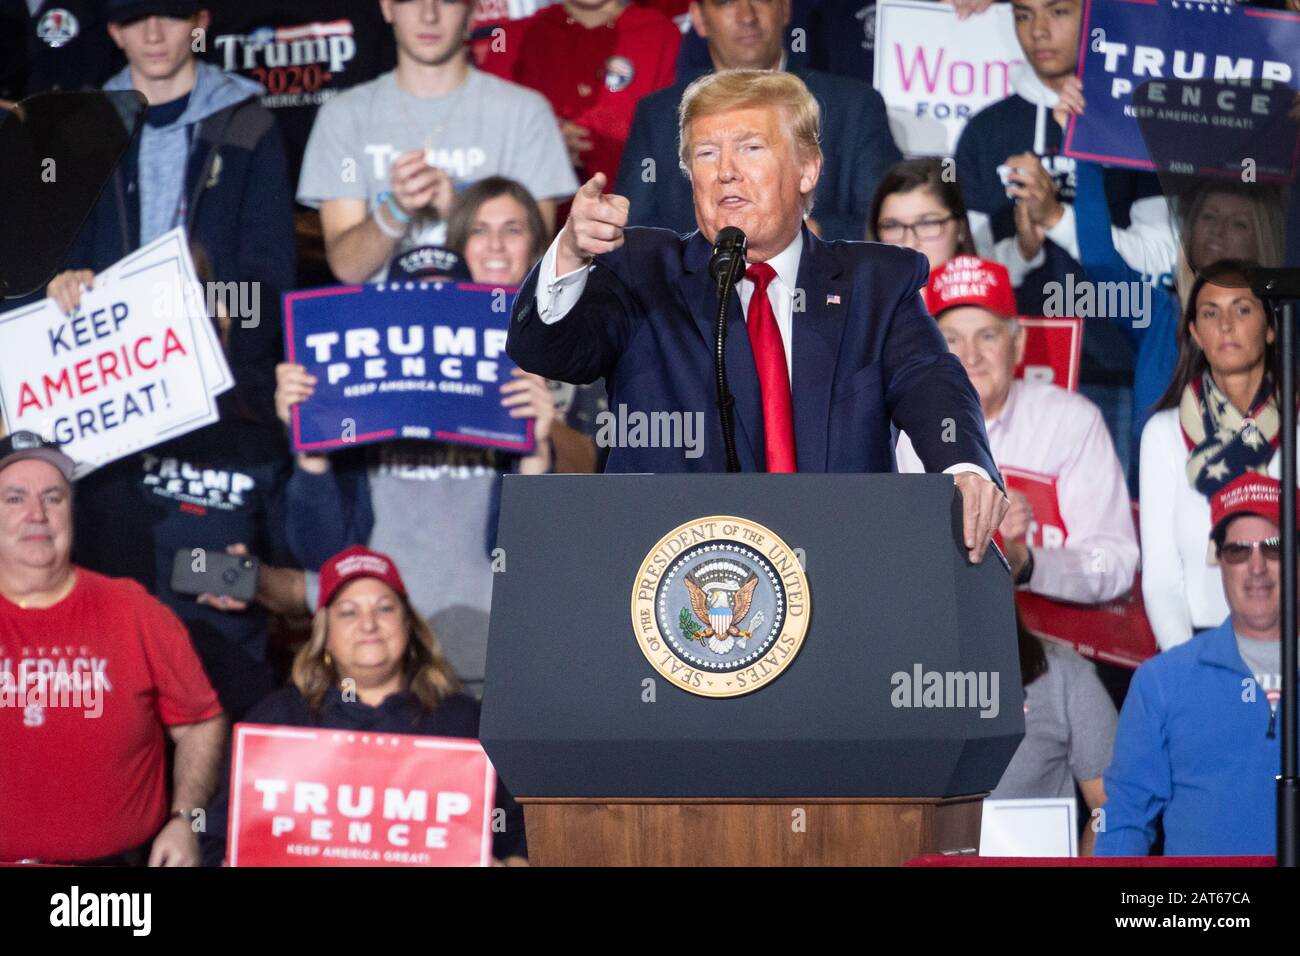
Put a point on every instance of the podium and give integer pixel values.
(747, 669)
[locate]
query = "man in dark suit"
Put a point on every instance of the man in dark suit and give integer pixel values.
(747, 34)
(843, 321)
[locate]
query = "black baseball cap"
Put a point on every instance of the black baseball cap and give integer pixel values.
(23, 445)
(127, 11)
(428, 262)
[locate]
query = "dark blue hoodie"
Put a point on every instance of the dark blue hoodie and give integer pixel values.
(230, 190)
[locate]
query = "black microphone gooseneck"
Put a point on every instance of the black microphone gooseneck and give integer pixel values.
(726, 266)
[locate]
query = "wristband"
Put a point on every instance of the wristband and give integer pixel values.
(1026, 570)
(386, 229)
(394, 210)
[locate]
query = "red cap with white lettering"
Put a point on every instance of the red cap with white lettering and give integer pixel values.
(356, 562)
(1248, 494)
(969, 280)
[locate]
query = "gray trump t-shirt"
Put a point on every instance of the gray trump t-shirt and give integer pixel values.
(487, 126)
(1069, 730)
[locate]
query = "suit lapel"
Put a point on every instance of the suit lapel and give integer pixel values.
(816, 333)
(701, 296)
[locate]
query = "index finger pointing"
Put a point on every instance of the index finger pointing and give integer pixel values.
(594, 186)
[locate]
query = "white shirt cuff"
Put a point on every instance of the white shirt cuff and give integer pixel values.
(556, 295)
(961, 466)
(1064, 234)
(1007, 252)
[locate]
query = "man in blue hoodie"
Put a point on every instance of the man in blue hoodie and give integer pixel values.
(210, 158)
(1197, 744)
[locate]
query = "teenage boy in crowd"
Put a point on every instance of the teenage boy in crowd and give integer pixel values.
(385, 158)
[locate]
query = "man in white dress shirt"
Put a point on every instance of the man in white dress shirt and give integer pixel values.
(1069, 532)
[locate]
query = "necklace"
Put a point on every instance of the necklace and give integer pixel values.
(449, 102)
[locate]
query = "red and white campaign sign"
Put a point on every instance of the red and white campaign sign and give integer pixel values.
(1052, 351)
(1047, 529)
(1116, 632)
(304, 796)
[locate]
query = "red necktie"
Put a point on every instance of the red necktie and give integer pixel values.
(773, 376)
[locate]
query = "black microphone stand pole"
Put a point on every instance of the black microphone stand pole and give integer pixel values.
(726, 402)
(1279, 288)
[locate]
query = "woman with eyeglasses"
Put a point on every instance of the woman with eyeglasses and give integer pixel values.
(916, 207)
(1218, 419)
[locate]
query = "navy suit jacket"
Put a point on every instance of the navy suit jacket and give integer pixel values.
(865, 352)
(857, 148)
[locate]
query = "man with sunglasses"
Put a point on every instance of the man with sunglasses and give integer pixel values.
(1197, 743)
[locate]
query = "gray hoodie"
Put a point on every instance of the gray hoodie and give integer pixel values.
(165, 150)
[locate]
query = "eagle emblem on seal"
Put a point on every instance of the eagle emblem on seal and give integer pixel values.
(721, 593)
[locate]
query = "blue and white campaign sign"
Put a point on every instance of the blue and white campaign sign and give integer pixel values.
(134, 365)
(403, 360)
(1205, 78)
(935, 72)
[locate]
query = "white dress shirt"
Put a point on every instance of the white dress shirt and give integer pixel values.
(557, 295)
(1053, 432)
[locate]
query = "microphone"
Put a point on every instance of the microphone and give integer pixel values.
(729, 249)
(726, 265)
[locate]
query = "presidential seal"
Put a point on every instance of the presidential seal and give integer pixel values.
(720, 606)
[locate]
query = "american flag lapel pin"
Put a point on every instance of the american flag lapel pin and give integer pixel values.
(832, 300)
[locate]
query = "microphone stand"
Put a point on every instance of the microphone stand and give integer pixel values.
(1278, 288)
(726, 401)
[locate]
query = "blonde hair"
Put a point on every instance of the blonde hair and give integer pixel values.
(1268, 228)
(428, 675)
(742, 89)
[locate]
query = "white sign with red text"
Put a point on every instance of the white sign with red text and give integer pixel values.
(935, 72)
(134, 365)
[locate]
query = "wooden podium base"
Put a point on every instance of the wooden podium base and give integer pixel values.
(728, 832)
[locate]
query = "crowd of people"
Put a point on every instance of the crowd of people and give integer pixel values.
(432, 140)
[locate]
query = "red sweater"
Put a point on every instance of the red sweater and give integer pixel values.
(592, 77)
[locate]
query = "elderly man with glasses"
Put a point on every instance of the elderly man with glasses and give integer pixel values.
(1197, 744)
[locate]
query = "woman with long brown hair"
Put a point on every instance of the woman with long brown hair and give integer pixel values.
(1215, 219)
(1218, 419)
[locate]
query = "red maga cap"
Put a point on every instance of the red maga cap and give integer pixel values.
(1248, 494)
(356, 562)
(969, 280)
